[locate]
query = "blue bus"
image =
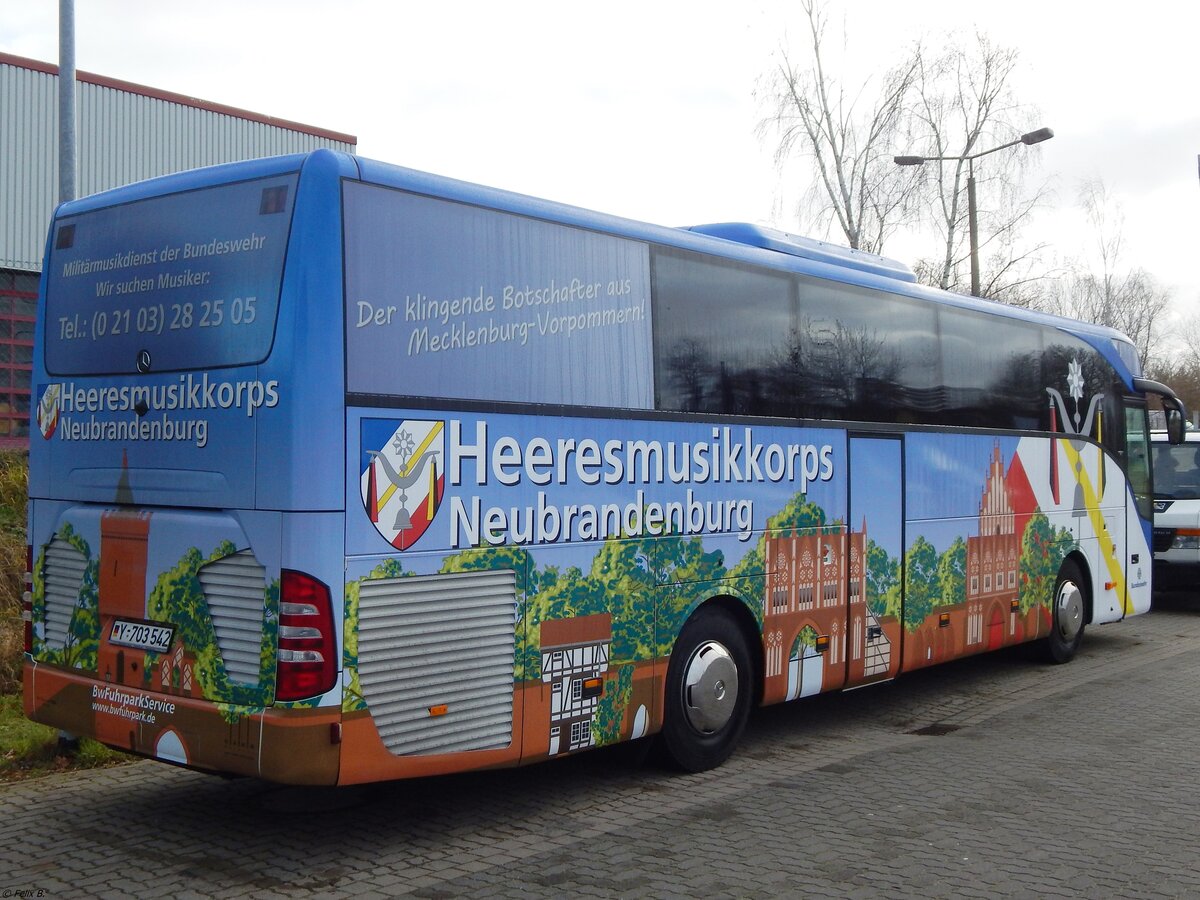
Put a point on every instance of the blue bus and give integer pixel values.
(347, 472)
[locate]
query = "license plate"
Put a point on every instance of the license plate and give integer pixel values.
(142, 635)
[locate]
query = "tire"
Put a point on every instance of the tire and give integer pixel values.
(709, 691)
(1068, 612)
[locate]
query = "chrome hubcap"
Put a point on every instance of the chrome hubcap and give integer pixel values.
(710, 687)
(1068, 610)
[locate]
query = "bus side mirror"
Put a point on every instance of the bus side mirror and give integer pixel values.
(1176, 423)
(1173, 408)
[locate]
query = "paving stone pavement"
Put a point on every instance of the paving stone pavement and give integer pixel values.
(994, 776)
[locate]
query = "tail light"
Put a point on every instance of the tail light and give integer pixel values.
(307, 660)
(27, 599)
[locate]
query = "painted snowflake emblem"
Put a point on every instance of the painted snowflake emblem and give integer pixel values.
(404, 444)
(1075, 380)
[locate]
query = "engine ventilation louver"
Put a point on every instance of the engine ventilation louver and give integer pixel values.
(435, 660)
(234, 589)
(63, 578)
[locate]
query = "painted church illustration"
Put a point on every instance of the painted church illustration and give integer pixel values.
(811, 580)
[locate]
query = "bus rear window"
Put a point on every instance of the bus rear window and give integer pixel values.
(184, 281)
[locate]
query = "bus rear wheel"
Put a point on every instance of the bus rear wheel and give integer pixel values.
(709, 690)
(1068, 614)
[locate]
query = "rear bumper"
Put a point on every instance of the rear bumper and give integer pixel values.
(293, 746)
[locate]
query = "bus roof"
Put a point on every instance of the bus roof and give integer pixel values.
(743, 242)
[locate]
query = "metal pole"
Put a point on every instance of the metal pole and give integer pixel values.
(66, 100)
(68, 744)
(973, 224)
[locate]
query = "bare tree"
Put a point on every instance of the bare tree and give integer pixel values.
(950, 104)
(816, 116)
(1102, 290)
(1181, 368)
(1188, 334)
(964, 105)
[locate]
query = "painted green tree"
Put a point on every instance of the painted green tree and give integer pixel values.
(352, 696)
(883, 577)
(921, 590)
(1042, 553)
(270, 635)
(84, 642)
(610, 711)
(623, 575)
(952, 574)
(806, 638)
(798, 514)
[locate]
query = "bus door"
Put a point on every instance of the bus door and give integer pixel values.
(876, 529)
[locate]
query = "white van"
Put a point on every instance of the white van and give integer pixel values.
(1176, 511)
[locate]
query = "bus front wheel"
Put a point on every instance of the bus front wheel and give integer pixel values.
(708, 693)
(1068, 614)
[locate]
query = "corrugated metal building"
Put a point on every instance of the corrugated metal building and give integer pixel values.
(125, 133)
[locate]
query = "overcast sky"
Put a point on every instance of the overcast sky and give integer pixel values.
(648, 109)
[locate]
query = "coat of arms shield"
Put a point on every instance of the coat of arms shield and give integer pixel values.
(402, 476)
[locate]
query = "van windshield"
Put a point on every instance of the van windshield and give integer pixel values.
(183, 281)
(1177, 471)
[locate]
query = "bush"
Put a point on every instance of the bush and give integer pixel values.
(14, 484)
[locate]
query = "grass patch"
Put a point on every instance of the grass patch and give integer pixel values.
(28, 749)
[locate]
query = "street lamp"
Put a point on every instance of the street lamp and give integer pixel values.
(1033, 137)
